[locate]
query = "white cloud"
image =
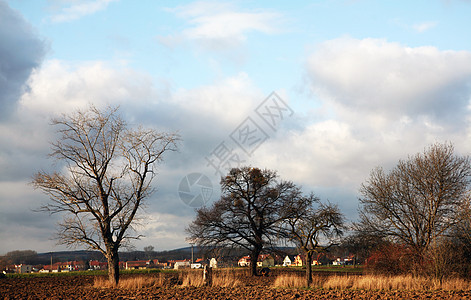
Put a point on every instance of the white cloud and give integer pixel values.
(228, 100)
(77, 10)
(218, 25)
(387, 101)
(391, 80)
(60, 87)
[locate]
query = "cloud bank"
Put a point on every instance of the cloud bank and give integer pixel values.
(21, 51)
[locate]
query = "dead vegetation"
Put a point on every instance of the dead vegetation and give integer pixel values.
(232, 284)
(373, 282)
(137, 282)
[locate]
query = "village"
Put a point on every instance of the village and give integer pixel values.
(264, 260)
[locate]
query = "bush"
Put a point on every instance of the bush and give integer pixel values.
(392, 259)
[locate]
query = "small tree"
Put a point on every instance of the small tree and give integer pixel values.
(418, 201)
(314, 227)
(248, 215)
(108, 172)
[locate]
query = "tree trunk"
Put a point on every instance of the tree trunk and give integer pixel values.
(253, 261)
(113, 267)
(308, 269)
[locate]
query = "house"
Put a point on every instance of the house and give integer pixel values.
(244, 261)
(338, 262)
(138, 264)
(265, 260)
(64, 267)
(180, 264)
(198, 264)
(73, 266)
(96, 265)
(343, 261)
(213, 263)
(298, 261)
(287, 261)
(22, 268)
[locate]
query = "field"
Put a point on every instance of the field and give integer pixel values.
(231, 284)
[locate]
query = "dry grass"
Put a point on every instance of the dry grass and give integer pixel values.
(375, 282)
(223, 278)
(192, 278)
(138, 282)
(291, 281)
(226, 278)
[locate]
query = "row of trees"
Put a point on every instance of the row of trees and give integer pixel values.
(418, 212)
(109, 167)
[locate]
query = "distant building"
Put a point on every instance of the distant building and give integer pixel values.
(265, 260)
(213, 263)
(22, 268)
(180, 264)
(298, 261)
(97, 265)
(244, 261)
(138, 264)
(287, 261)
(64, 267)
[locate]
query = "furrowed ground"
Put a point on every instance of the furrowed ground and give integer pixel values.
(229, 284)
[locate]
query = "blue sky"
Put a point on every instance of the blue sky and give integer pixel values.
(368, 82)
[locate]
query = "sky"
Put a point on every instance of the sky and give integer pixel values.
(322, 92)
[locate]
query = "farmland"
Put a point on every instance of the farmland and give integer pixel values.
(230, 284)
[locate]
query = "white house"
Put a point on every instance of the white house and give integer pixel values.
(213, 263)
(181, 264)
(286, 261)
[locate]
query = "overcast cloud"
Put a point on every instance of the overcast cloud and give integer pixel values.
(362, 92)
(21, 51)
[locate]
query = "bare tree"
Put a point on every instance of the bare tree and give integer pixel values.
(314, 227)
(417, 202)
(108, 170)
(249, 213)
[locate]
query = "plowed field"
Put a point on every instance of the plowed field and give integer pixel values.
(81, 287)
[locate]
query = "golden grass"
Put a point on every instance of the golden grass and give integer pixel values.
(226, 278)
(138, 282)
(223, 278)
(374, 282)
(192, 278)
(291, 281)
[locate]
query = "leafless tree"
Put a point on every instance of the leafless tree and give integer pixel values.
(107, 175)
(416, 202)
(314, 227)
(249, 213)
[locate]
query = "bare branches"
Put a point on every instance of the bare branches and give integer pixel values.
(109, 170)
(417, 201)
(314, 223)
(249, 213)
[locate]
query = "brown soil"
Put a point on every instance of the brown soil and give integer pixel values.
(81, 287)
